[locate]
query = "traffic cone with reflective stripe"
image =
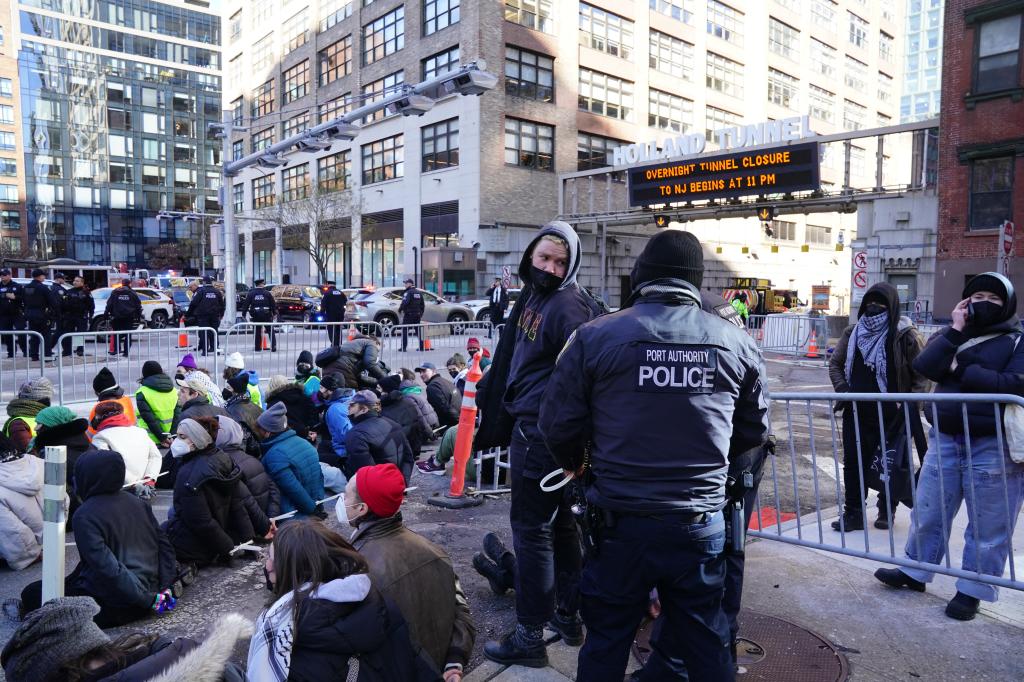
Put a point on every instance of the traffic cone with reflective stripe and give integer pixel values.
(182, 335)
(456, 498)
(812, 349)
(351, 332)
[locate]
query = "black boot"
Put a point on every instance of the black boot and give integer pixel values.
(495, 576)
(962, 607)
(496, 550)
(568, 626)
(522, 646)
(848, 522)
(894, 577)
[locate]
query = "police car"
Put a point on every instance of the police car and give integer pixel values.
(157, 308)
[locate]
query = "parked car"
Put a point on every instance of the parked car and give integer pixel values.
(297, 302)
(157, 308)
(481, 306)
(381, 306)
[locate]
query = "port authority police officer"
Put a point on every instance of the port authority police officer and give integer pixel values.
(647, 406)
(262, 307)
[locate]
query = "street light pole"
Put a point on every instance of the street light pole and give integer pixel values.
(227, 206)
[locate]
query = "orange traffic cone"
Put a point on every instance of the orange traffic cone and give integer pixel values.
(456, 497)
(426, 344)
(266, 341)
(812, 349)
(182, 335)
(351, 332)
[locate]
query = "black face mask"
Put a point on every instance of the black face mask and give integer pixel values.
(984, 313)
(544, 280)
(873, 309)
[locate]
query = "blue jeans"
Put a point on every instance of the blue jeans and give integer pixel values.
(947, 462)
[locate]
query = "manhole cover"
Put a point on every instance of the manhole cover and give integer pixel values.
(772, 650)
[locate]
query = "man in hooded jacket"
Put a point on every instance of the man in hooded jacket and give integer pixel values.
(552, 305)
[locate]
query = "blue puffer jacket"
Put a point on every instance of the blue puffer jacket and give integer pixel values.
(293, 464)
(337, 419)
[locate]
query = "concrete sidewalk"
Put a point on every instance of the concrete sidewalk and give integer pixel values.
(885, 634)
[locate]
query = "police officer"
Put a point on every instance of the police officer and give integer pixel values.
(411, 308)
(647, 406)
(77, 310)
(206, 309)
(125, 312)
(57, 324)
(332, 305)
(262, 307)
(12, 311)
(41, 306)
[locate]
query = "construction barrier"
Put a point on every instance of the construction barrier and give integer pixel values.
(790, 334)
(456, 498)
(804, 488)
(497, 459)
(19, 369)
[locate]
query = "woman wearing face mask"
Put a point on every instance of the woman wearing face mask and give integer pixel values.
(212, 509)
(980, 352)
(876, 355)
(327, 620)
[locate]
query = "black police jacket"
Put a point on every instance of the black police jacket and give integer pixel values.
(412, 306)
(124, 304)
(78, 303)
(206, 302)
(260, 305)
(40, 301)
(12, 306)
(333, 305)
(665, 394)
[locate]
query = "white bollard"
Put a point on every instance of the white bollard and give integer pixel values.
(54, 520)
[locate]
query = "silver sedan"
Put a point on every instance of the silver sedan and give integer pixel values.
(381, 306)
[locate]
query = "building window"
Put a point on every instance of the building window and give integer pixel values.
(384, 36)
(669, 112)
(295, 182)
(296, 81)
(9, 167)
(441, 145)
(858, 30)
(991, 192)
(605, 31)
(263, 100)
(716, 119)
(263, 54)
(856, 74)
(997, 60)
(606, 95)
(11, 245)
(384, 160)
(335, 108)
(235, 25)
(818, 234)
(439, 14)
(378, 89)
(7, 140)
(724, 75)
(671, 55)
(823, 13)
(725, 22)
(529, 144)
(782, 89)
(886, 47)
(823, 59)
(6, 87)
(529, 75)
(295, 125)
(334, 172)
(262, 12)
(595, 151)
(885, 88)
(783, 230)
(263, 192)
(296, 30)
(535, 14)
(237, 150)
(333, 12)
(237, 115)
(10, 220)
(335, 60)
(853, 115)
(822, 103)
(783, 39)
(7, 116)
(262, 140)
(441, 63)
(680, 10)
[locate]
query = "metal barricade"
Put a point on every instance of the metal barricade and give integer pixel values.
(14, 371)
(498, 457)
(105, 349)
(275, 349)
(805, 485)
(926, 330)
(440, 340)
(755, 327)
(792, 334)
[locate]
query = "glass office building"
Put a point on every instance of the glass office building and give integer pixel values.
(922, 66)
(116, 98)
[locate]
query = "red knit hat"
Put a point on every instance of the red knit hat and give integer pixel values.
(382, 488)
(473, 342)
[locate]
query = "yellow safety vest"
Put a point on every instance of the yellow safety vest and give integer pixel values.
(31, 421)
(163, 405)
(255, 396)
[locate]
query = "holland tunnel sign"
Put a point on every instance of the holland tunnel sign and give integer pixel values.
(776, 170)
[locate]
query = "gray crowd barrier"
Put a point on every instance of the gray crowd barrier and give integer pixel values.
(17, 370)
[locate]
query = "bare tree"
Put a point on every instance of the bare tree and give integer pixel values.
(8, 250)
(171, 255)
(314, 224)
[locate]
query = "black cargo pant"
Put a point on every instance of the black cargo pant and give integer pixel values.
(40, 325)
(13, 323)
(334, 332)
(208, 339)
(258, 333)
(122, 343)
(870, 436)
(544, 534)
(72, 325)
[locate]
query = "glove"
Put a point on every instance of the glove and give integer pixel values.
(164, 602)
(145, 490)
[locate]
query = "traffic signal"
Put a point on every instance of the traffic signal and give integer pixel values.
(661, 220)
(766, 214)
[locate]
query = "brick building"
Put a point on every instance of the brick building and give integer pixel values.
(981, 153)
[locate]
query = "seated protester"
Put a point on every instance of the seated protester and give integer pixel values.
(213, 509)
(437, 463)
(125, 561)
(241, 409)
(60, 641)
(302, 413)
(33, 396)
(472, 348)
(457, 370)
(254, 476)
(105, 386)
(157, 403)
(115, 431)
(187, 364)
(374, 439)
(234, 365)
(336, 397)
(21, 506)
(412, 387)
(357, 361)
(308, 376)
(402, 410)
(327, 616)
(57, 425)
(196, 394)
(409, 569)
(292, 463)
(441, 395)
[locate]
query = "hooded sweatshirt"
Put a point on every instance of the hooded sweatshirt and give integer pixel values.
(141, 457)
(21, 511)
(148, 418)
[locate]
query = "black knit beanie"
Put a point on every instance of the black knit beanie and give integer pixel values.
(672, 254)
(987, 281)
(103, 381)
